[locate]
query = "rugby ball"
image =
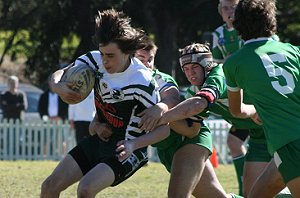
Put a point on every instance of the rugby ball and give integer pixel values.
(83, 79)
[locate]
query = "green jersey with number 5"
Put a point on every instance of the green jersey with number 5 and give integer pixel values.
(269, 72)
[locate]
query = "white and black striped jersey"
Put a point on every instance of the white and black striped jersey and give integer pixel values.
(119, 97)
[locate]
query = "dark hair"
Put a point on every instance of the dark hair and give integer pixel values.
(255, 18)
(114, 27)
(150, 47)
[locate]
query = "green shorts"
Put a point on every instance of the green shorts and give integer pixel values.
(287, 160)
(257, 147)
(204, 139)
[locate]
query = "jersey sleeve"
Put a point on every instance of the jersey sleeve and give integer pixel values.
(229, 71)
(92, 59)
(215, 84)
(164, 80)
(216, 52)
(191, 92)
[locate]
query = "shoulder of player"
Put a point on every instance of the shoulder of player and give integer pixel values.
(164, 76)
(139, 74)
(216, 72)
(91, 58)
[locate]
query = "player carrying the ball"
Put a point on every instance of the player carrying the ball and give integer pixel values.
(124, 87)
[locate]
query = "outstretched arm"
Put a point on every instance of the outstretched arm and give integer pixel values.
(126, 147)
(185, 109)
(150, 117)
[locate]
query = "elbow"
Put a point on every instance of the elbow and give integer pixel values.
(192, 134)
(236, 113)
(199, 105)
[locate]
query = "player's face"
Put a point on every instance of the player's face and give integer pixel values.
(114, 60)
(194, 73)
(227, 11)
(146, 57)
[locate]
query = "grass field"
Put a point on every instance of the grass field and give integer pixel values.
(22, 179)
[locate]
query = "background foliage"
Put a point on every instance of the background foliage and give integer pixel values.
(51, 32)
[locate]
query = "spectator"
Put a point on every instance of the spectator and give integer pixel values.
(225, 38)
(51, 107)
(80, 116)
(13, 101)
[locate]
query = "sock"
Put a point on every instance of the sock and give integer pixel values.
(235, 196)
(239, 168)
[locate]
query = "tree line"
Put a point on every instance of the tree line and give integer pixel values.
(51, 32)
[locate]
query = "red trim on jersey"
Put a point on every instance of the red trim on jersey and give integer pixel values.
(207, 95)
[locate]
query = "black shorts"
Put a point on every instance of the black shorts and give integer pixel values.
(242, 134)
(92, 151)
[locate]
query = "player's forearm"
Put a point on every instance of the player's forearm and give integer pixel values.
(157, 135)
(170, 97)
(183, 128)
(56, 77)
(246, 111)
(185, 109)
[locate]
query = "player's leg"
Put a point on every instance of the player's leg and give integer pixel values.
(209, 185)
(65, 174)
(110, 172)
(252, 171)
(294, 187)
(187, 167)
(97, 179)
(256, 159)
(287, 160)
(235, 142)
(270, 179)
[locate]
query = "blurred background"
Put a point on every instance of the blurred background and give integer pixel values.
(38, 36)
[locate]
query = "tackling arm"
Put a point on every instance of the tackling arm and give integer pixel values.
(126, 147)
(185, 109)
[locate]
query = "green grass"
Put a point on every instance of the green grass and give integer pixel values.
(22, 179)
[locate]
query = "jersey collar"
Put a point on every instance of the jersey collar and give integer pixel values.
(258, 39)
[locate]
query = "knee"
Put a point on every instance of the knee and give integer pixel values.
(179, 193)
(172, 193)
(84, 190)
(48, 188)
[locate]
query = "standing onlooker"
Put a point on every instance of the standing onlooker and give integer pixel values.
(13, 101)
(51, 107)
(225, 42)
(81, 115)
(225, 38)
(268, 71)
